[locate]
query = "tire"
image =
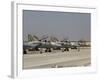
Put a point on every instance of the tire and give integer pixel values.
(25, 52)
(67, 49)
(49, 50)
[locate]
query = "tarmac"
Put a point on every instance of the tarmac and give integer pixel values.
(57, 59)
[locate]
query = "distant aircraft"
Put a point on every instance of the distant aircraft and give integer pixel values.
(65, 45)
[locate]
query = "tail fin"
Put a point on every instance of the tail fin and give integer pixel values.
(32, 38)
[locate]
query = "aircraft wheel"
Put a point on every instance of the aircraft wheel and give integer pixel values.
(64, 49)
(67, 49)
(49, 50)
(25, 52)
(46, 50)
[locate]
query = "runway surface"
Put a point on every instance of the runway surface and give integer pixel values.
(57, 59)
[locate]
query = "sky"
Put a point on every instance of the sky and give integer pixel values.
(71, 25)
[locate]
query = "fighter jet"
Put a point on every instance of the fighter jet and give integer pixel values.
(41, 44)
(49, 44)
(31, 46)
(74, 45)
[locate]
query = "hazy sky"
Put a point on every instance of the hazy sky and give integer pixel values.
(75, 26)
